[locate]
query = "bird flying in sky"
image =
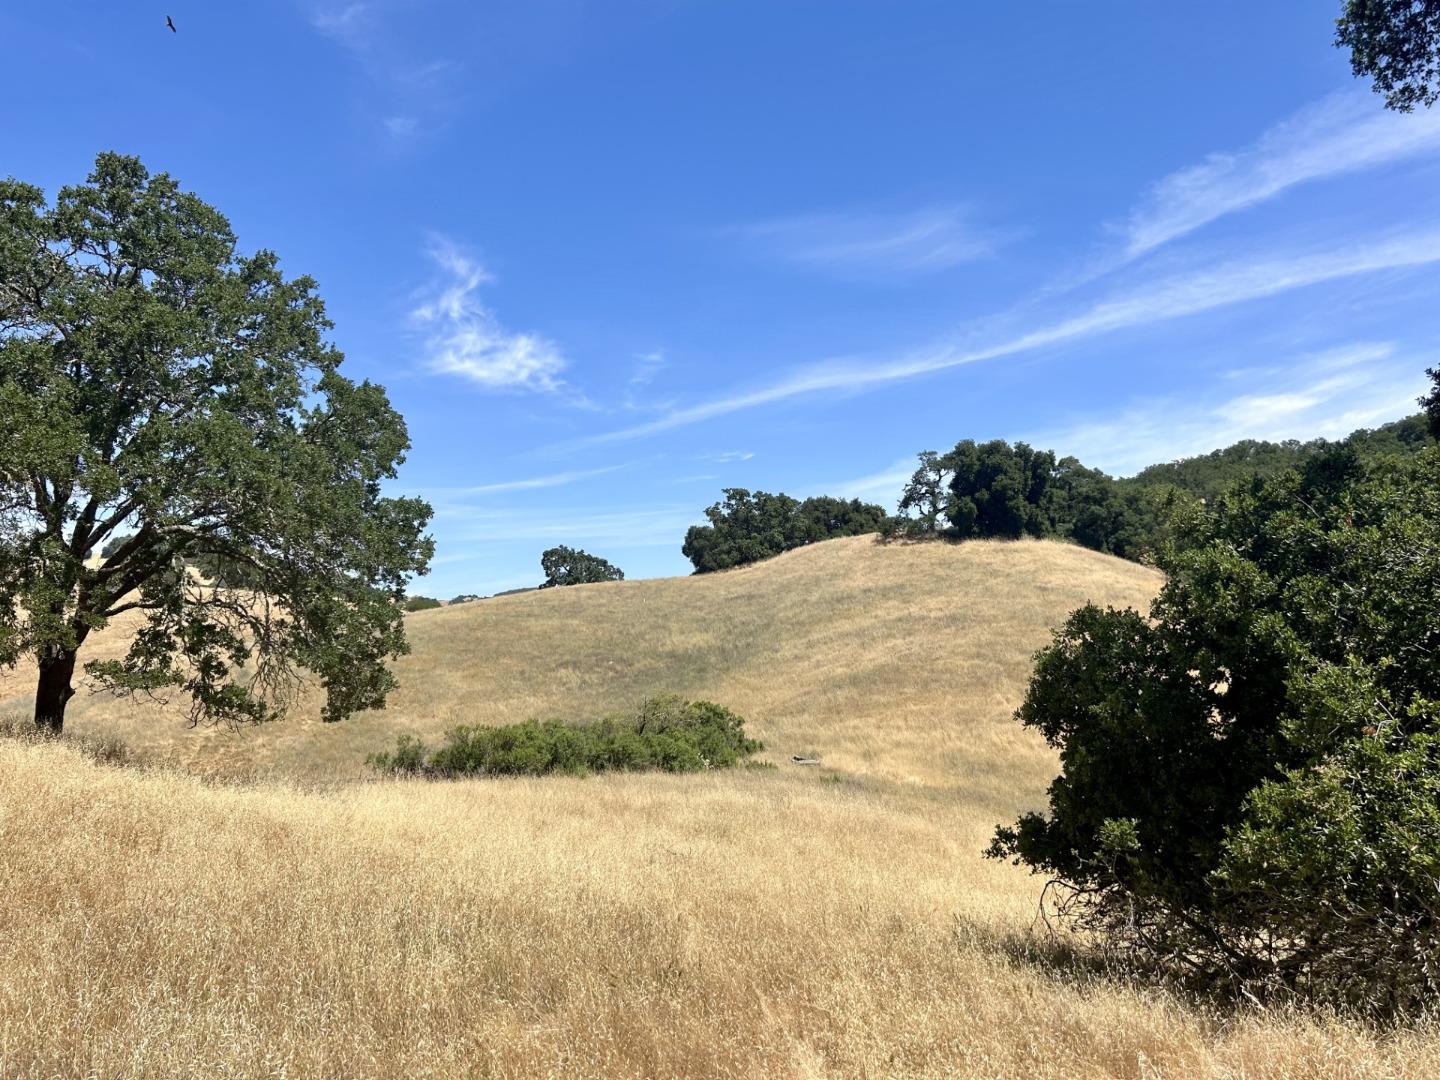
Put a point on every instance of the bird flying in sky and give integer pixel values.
(171, 24)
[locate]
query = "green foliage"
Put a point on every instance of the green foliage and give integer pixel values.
(666, 733)
(568, 566)
(1431, 402)
(747, 527)
(155, 382)
(1207, 475)
(1397, 44)
(421, 603)
(465, 598)
(997, 490)
(408, 757)
(994, 489)
(1249, 786)
(114, 544)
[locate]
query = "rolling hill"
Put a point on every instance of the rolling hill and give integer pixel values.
(900, 661)
(781, 922)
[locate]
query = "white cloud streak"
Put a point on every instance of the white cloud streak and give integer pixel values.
(420, 89)
(1186, 294)
(1340, 134)
(883, 487)
(917, 242)
(463, 337)
(350, 24)
(1326, 396)
(639, 527)
(532, 483)
(647, 366)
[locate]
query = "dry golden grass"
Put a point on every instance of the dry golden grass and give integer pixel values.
(789, 922)
(903, 662)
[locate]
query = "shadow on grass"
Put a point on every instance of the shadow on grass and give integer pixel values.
(102, 749)
(1067, 959)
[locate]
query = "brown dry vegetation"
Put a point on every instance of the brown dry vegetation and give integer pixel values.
(786, 922)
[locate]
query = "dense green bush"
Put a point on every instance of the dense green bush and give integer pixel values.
(666, 733)
(748, 527)
(421, 603)
(1250, 793)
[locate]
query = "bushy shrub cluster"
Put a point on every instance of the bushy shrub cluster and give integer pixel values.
(747, 527)
(666, 733)
(1250, 793)
(421, 603)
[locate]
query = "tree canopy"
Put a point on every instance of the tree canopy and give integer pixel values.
(998, 490)
(994, 489)
(158, 384)
(747, 527)
(569, 566)
(1249, 785)
(1396, 43)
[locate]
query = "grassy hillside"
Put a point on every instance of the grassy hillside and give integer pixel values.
(901, 662)
(790, 922)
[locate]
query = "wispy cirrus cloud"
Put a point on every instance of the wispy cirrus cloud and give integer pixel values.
(654, 526)
(883, 487)
(726, 456)
(1188, 293)
(1327, 395)
(351, 24)
(530, 483)
(463, 337)
(911, 242)
(416, 89)
(647, 366)
(1340, 134)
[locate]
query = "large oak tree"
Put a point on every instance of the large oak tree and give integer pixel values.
(158, 385)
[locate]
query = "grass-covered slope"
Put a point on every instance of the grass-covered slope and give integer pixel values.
(902, 661)
(794, 922)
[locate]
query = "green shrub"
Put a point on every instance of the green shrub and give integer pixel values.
(1250, 795)
(407, 757)
(665, 733)
(421, 603)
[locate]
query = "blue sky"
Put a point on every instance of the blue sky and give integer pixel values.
(609, 258)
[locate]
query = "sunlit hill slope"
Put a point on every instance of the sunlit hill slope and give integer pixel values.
(789, 922)
(900, 661)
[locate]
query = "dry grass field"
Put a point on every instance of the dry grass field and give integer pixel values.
(784, 922)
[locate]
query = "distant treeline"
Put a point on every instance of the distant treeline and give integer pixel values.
(999, 490)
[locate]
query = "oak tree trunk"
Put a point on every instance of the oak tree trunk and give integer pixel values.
(53, 692)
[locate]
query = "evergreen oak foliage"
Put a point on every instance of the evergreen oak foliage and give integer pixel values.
(1396, 43)
(998, 490)
(747, 527)
(569, 566)
(1250, 785)
(994, 489)
(158, 384)
(665, 733)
